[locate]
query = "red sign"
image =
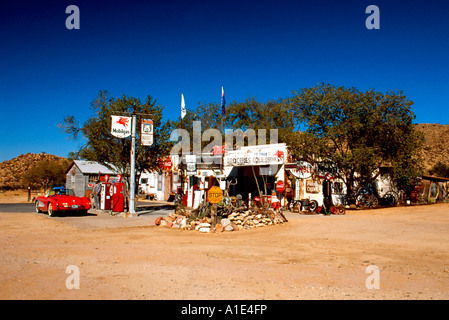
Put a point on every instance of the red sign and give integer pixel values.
(218, 150)
(280, 187)
(168, 163)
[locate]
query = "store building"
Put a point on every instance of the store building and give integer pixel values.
(241, 172)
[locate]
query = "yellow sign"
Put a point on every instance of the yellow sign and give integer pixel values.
(214, 194)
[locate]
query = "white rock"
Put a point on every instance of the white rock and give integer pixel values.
(225, 222)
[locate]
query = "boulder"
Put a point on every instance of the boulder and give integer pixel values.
(225, 222)
(219, 227)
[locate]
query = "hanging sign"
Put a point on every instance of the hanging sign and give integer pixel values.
(146, 132)
(303, 170)
(121, 126)
(327, 170)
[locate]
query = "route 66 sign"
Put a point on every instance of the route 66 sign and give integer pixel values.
(146, 132)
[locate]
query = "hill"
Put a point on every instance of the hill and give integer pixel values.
(11, 171)
(436, 146)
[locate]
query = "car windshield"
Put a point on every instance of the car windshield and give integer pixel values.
(60, 191)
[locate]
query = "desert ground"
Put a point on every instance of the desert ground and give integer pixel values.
(309, 257)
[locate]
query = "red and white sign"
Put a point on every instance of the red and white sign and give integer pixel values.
(303, 170)
(280, 186)
(168, 164)
(218, 150)
(121, 126)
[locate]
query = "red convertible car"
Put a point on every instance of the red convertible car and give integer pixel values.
(61, 200)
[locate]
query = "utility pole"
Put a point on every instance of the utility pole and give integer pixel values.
(132, 187)
(132, 183)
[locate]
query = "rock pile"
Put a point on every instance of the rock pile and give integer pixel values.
(235, 221)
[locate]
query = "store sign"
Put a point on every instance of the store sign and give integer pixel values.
(327, 169)
(146, 132)
(312, 187)
(303, 170)
(253, 159)
(121, 126)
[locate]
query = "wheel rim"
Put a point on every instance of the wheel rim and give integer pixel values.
(313, 205)
(36, 206)
(50, 210)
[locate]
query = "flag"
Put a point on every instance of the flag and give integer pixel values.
(183, 107)
(223, 102)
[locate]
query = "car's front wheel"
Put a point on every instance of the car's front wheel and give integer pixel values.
(36, 205)
(51, 210)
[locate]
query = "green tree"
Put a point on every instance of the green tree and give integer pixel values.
(358, 131)
(250, 114)
(256, 115)
(45, 174)
(114, 152)
(440, 169)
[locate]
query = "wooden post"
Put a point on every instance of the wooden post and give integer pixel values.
(213, 214)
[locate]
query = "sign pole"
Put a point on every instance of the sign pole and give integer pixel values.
(132, 191)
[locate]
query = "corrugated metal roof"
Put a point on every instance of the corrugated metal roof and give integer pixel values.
(93, 167)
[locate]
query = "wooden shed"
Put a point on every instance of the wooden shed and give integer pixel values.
(81, 176)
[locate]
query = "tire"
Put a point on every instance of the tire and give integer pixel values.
(313, 205)
(341, 210)
(390, 198)
(372, 201)
(36, 206)
(50, 210)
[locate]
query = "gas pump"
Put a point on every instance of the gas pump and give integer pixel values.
(118, 199)
(105, 194)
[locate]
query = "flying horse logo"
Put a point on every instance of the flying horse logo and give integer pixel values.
(123, 121)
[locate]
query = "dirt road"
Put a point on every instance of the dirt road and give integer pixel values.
(310, 257)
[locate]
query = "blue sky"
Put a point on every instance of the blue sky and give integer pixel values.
(261, 49)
